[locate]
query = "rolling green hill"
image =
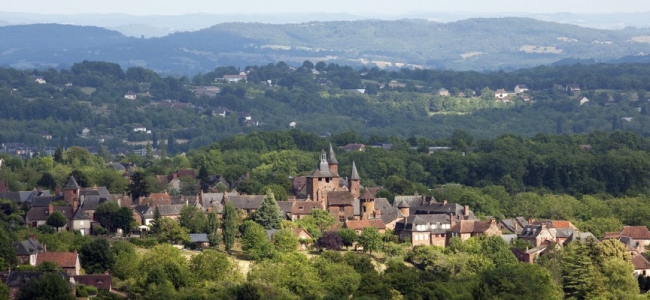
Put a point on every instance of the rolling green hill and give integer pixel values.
(476, 44)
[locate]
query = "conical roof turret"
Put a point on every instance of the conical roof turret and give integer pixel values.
(355, 174)
(331, 158)
(72, 184)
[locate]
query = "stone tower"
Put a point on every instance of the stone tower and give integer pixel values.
(367, 205)
(355, 182)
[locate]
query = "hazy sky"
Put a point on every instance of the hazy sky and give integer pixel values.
(176, 7)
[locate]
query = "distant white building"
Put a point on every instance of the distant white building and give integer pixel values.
(139, 128)
(130, 95)
(500, 94)
(520, 89)
(85, 131)
(292, 124)
(583, 100)
(39, 79)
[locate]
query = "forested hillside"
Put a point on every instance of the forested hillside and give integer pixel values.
(478, 44)
(319, 98)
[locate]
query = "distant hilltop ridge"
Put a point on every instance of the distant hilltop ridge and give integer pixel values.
(472, 44)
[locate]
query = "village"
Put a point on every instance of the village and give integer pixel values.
(412, 220)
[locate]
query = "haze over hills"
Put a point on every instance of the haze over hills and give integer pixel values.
(473, 44)
(162, 25)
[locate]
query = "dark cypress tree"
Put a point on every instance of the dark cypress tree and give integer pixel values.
(229, 225)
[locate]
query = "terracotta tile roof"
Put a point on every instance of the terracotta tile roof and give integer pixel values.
(361, 224)
(639, 262)
(340, 198)
(63, 259)
(156, 199)
(562, 224)
(636, 232)
(100, 281)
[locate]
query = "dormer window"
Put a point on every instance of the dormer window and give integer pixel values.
(301, 208)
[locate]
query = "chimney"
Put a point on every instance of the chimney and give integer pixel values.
(451, 220)
(119, 202)
(75, 204)
(444, 202)
(467, 210)
(94, 187)
(50, 209)
(209, 209)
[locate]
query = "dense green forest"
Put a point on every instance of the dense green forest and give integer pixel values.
(472, 44)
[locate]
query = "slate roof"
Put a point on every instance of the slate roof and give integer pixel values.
(340, 198)
(170, 210)
(199, 238)
(72, 184)
(530, 231)
(28, 247)
(361, 224)
(582, 237)
(354, 174)
(91, 202)
(331, 158)
(509, 238)
(366, 195)
(63, 259)
(388, 212)
(41, 213)
(101, 191)
(44, 201)
(247, 202)
(100, 281)
(16, 279)
(409, 223)
(286, 207)
(145, 211)
(13, 196)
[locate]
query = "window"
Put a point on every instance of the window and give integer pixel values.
(301, 207)
(342, 219)
(327, 180)
(341, 209)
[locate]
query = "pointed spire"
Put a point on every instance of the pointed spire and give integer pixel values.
(331, 158)
(355, 173)
(72, 184)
